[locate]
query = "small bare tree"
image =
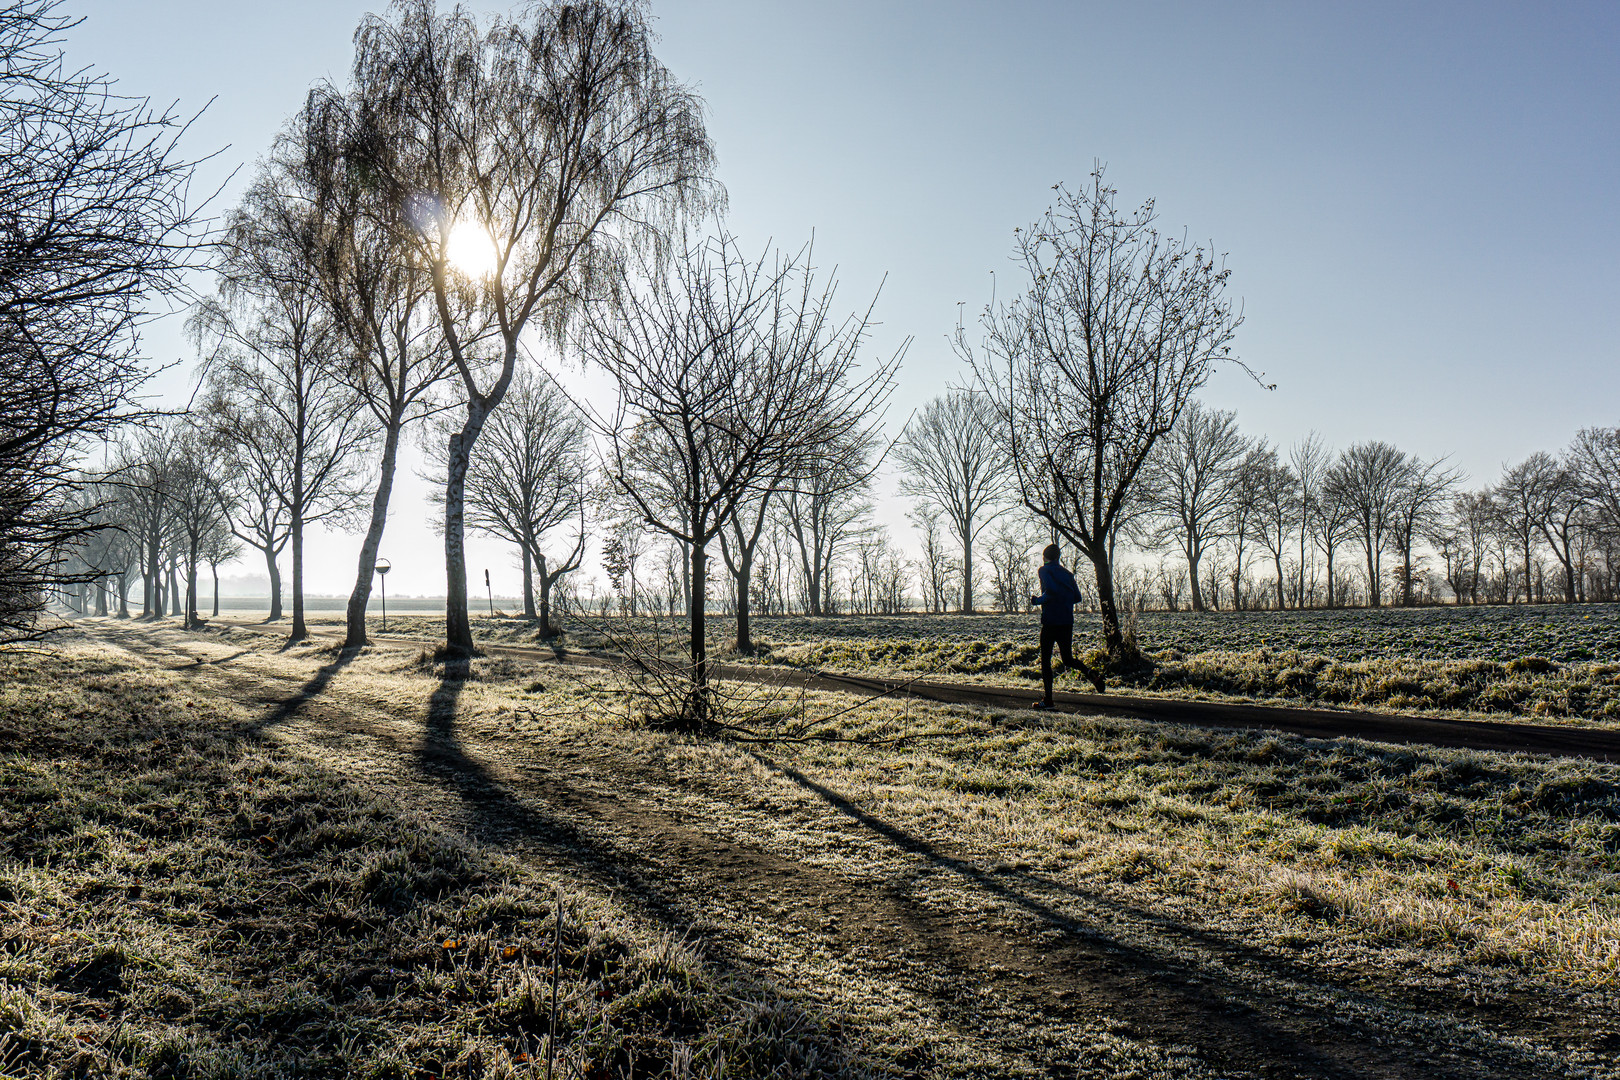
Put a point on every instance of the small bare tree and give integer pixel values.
(275, 405)
(934, 568)
(1367, 480)
(1519, 496)
(1094, 362)
(194, 508)
(1419, 504)
(1193, 469)
(730, 375)
(1309, 459)
(528, 476)
(1277, 506)
(955, 458)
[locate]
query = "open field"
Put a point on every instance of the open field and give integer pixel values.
(1553, 663)
(226, 859)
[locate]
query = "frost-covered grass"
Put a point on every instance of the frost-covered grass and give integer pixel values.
(182, 897)
(1553, 662)
(178, 897)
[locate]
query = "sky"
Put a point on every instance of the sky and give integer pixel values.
(1417, 201)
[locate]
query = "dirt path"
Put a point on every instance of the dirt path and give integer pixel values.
(1494, 735)
(1004, 965)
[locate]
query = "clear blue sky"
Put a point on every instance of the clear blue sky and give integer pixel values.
(1418, 202)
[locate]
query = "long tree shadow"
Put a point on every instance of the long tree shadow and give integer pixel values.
(291, 706)
(1225, 1008)
(497, 816)
(1194, 1000)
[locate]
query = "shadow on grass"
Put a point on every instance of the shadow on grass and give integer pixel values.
(291, 706)
(1169, 997)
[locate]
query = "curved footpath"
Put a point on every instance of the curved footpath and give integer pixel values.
(1501, 736)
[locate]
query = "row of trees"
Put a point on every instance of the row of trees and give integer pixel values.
(480, 190)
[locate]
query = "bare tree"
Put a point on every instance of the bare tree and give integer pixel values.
(1594, 458)
(1309, 459)
(736, 375)
(275, 403)
(375, 286)
(934, 569)
(1012, 551)
(1116, 329)
(528, 476)
(141, 468)
(1419, 504)
(955, 458)
(525, 154)
(824, 510)
(1277, 508)
(194, 507)
(1520, 496)
(1243, 514)
(1561, 513)
(219, 547)
(1193, 470)
(93, 196)
(1367, 480)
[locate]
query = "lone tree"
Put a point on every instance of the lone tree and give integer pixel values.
(1094, 362)
(731, 375)
(954, 457)
(527, 156)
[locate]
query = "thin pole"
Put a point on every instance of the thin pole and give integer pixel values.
(385, 603)
(491, 591)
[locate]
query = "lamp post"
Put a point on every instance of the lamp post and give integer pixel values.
(382, 566)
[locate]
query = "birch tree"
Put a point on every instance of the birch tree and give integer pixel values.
(527, 154)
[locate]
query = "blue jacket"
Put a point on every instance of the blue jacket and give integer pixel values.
(1059, 594)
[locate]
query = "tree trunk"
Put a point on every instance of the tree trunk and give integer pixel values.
(967, 573)
(697, 569)
(1282, 603)
(193, 621)
(1332, 595)
(528, 582)
(174, 585)
(101, 596)
(274, 573)
(458, 637)
(745, 575)
(547, 579)
(123, 595)
(215, 570)
(1375, 596)
(360, 597)
(299, 630)
(1113, 633)
(1406, 577)
(1193, 559)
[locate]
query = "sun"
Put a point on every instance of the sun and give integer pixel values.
(471, 250)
